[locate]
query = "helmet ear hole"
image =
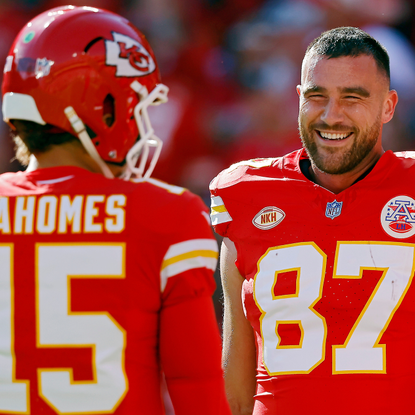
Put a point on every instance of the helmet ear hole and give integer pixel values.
(108, 115)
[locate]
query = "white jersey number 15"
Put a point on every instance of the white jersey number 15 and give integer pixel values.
(58, 326)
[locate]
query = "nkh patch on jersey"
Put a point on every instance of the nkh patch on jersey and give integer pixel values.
(129, 56)
(268, 218)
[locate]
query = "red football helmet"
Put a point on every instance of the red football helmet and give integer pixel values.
(70, 66)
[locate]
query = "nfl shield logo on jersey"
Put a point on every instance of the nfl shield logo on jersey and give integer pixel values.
(334, 209)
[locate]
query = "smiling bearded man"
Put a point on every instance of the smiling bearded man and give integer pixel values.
(339, 160)
(319, 251)
(343, 107)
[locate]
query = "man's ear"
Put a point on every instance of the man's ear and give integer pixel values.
(389, 106)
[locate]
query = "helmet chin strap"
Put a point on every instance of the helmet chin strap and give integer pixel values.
(141, 149)
(85, 139)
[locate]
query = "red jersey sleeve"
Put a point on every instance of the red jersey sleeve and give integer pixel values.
(190, 345)
(191, 257)
(226, 199)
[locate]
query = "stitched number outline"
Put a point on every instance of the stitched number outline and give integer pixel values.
(58, 326)
(361, 352)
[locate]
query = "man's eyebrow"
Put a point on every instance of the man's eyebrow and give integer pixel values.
(358, 90)
(314, 88)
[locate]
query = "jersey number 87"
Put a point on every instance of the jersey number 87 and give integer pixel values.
(361, 352)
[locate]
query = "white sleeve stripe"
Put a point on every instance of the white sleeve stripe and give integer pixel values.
(218, 213)
(207, 253)
(218, 218)
(186, 265)
(216, 201)
(189, 246)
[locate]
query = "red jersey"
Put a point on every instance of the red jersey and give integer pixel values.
(104, 285)
(328, 284)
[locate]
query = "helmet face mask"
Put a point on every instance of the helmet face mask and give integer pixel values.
(95, 62)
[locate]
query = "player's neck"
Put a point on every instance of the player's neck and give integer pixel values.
(336, 183)
(66, 154)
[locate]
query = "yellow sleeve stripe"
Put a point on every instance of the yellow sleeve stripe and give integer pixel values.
(187, 255)
(218, 212)
(218, 209)
(194, 254)
(190, 246)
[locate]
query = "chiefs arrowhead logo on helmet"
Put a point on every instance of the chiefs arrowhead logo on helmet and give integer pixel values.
(130, 57)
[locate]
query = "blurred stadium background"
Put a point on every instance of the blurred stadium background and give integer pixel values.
(232, 67)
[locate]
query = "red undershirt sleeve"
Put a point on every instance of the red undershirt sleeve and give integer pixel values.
(190, 354)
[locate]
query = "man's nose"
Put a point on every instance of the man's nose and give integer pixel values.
(332, 113)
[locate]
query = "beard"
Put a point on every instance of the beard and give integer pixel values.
(337, 160)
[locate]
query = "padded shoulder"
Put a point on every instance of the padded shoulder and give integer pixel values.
(406, 154)
(241, 171)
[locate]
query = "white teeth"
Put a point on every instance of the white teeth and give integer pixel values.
(329, 136)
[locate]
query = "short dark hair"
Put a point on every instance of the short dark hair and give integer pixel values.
(31, 137)
(350, 41)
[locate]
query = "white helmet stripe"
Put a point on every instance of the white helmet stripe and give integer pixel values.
(20, 107)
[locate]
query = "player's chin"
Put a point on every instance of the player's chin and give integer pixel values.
(331, 160)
